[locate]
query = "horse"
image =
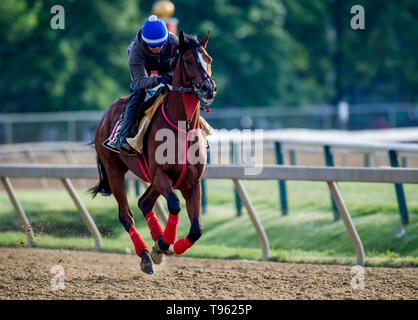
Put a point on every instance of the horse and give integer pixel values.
(192, 83)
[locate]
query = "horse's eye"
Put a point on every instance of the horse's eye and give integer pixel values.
(188, 61)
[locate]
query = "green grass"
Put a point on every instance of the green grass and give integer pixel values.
(307, 234)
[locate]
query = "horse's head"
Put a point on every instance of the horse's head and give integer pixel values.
(193, 67)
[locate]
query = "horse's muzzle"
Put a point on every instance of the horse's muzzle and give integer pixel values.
(207, 91)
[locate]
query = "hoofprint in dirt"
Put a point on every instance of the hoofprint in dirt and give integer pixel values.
(32, 274)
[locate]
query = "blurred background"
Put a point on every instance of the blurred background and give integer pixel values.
(323, 92)
(277, 63)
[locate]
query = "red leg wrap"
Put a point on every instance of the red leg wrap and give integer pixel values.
(182, 245)
(139, 244)
(154, 225)
(170, 231)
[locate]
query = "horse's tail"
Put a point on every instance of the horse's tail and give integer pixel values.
(103, 186)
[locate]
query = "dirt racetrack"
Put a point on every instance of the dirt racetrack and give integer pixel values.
(26, 274)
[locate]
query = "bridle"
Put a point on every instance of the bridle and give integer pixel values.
(192, 87)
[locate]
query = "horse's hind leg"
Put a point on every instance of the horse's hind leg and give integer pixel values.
(193, 200)
(117, 184)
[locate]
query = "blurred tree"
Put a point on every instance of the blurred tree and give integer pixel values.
(255, 59)
(266, 52)
(309, 23)
(84, 66)
(380, 62)
(375, 64)
(18, 20)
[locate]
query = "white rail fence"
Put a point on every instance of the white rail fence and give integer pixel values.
(32, 151)
(327, 142)
(237, 173)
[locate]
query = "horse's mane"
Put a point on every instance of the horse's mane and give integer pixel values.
(190, 43)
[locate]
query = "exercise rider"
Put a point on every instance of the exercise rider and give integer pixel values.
(151, 50)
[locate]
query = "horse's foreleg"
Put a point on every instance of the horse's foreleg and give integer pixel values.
(117, 185)
(146, 204)
(163, 185)
(193, 199)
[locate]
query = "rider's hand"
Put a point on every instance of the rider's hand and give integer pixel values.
(165, 79)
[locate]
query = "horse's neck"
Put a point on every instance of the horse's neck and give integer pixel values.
(174, 108)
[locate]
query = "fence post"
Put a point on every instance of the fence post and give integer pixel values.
(329, 161)
(72, 130)
(137, 187)
(292, 156)
(85, 215)
(32, 159)
(351, 229)
(367, 159)
(24, 221)
(9, 132)
(400, 195)
(282, 184)
(127, 186)
(69, 155)
(203, 187)
(254, 219)
(203, 192)
(235, 160)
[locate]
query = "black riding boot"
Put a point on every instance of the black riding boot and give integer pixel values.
(129, 117)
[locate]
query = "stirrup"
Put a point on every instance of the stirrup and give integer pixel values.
(127, 150)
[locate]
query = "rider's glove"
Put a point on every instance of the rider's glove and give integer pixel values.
(165, 79)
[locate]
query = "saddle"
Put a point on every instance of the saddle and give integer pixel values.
(111, 143)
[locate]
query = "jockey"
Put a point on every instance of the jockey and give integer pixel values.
(151, 50)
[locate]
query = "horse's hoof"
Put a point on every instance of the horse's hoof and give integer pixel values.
(157, 254)
(170, 250)
(146, 263)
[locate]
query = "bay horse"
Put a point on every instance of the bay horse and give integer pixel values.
(192, 82)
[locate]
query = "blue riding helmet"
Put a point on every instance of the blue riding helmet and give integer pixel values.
(154, 31)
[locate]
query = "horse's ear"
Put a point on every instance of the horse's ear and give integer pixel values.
(182, 38)
(204, 41)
